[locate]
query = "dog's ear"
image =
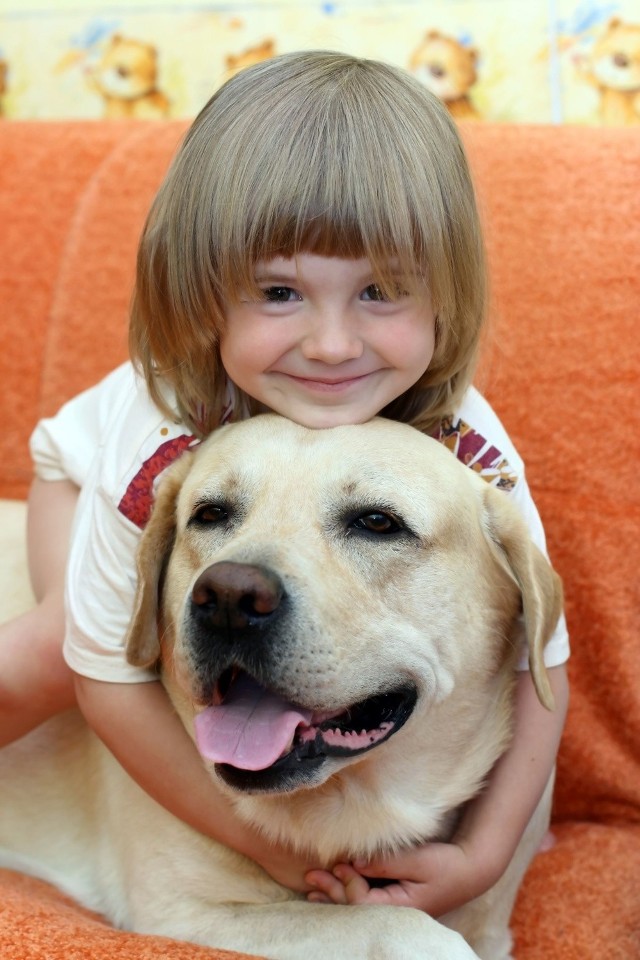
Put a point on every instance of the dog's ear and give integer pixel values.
(142, 641)
(540, 586)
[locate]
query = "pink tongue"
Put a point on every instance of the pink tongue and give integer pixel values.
(251, 729)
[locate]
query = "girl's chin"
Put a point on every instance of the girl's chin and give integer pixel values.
(321, 416)
(326, 422)
(322, 419)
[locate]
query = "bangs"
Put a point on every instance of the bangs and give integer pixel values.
(337, 172)
(328, 231)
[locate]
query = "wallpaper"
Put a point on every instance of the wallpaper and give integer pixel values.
(535, 61)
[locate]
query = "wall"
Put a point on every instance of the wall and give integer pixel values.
(540, 61)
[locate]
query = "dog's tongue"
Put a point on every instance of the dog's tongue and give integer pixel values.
(251, 729)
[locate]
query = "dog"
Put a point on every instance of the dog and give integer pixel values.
(339, 620)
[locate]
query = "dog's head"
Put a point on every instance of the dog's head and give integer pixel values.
(314, 596)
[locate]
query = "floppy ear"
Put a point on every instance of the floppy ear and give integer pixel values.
(540, 586)
(142, 642)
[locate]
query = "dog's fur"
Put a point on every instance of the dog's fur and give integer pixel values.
(332, 566)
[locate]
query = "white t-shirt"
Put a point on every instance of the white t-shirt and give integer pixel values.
(114, 443)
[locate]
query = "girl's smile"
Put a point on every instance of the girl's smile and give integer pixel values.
(326, 384)
(322, 345)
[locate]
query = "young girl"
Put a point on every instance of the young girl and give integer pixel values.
(314, 250)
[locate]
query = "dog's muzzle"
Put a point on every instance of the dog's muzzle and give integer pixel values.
(259, 740)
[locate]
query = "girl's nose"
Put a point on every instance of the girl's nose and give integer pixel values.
(332, 340)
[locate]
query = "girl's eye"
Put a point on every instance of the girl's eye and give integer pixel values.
(374, 293)
(280, 294)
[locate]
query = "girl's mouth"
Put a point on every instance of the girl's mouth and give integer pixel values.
(327, 384)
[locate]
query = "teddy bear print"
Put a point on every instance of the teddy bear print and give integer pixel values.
(234, 63)
(613, 68)
(126, 77)
(447, 68)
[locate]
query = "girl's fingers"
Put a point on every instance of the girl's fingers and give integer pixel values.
(314, 896)
(327, 888)
(343, 886)
(354, 884)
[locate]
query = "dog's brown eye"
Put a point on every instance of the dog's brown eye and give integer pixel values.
(375, 522)
(211, 513)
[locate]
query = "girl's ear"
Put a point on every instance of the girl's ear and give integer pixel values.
(142, 642)
(540, 586)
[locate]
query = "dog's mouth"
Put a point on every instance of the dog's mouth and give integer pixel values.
(253, 729)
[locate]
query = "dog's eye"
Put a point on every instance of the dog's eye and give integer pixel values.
(376, 522)
(210, 513)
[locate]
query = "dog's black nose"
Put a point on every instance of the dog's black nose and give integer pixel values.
(237, 595)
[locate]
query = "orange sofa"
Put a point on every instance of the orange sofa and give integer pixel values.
(562, 366)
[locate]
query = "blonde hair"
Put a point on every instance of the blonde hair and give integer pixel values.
(308, 152)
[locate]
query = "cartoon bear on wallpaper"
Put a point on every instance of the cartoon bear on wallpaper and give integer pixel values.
(126, 77)
(447, 68)
(613, 67)
(236, 62)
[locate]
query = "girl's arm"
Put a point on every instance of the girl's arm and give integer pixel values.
(138, 724)
(438, 877)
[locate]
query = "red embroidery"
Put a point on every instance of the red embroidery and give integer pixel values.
(471, 449)
(137, 502)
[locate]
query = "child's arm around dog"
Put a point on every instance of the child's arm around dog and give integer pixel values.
(183, 787)
(439, 877)
(435, 877)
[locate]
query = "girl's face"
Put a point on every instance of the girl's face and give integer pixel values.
(322, 346)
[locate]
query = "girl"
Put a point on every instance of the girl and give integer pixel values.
(314, 250)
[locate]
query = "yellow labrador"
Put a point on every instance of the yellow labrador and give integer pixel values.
(340, 617)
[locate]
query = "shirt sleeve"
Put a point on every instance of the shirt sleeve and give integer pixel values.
(64, 446)
(101, 573)
(100, 588)
(478, 438)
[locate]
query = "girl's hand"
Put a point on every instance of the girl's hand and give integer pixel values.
(437, 878)
(283, 865)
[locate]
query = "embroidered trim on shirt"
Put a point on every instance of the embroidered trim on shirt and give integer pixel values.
(138, 498)
(477, 453)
